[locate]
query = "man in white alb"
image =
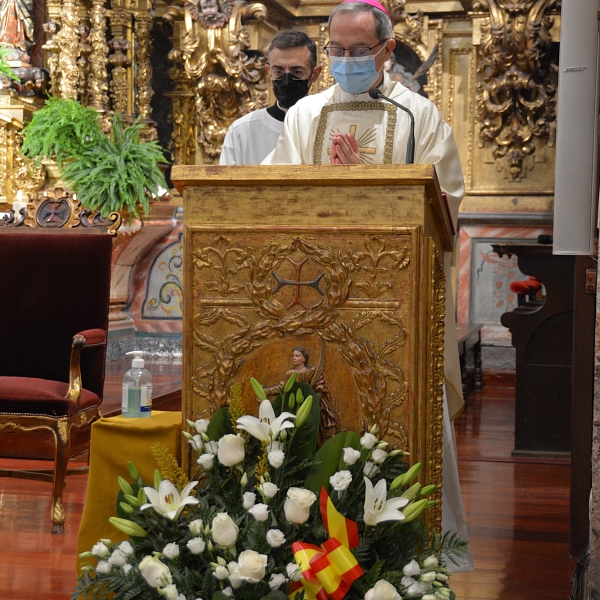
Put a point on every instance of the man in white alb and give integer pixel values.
(344, 125)
(293, 69)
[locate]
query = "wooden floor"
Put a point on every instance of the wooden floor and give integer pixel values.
(517, 512)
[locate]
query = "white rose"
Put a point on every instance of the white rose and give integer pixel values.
(249, 500)
(269, 489)
(378, 456)
(430, 561)
(418, 588)
(275, 445)
(171, 550)
(170, 592)
(277, 580)
(383, 590)
(212, 447)
(221, 572)
(206, 461)
(297, 505)
(368, 441)
(427, 577)
(118, 558)
(234, 575)
(341, 480)
(201, 425)
(156, 573)
(224, 530)
(231, 450)
(276, 458)
(370, 469)
(126, 569)
(196, 443)
(196, 526)
(407, 581)
(196, 545)
(252, 566)
(260, 512)
(412, 568)
(126, 548)
(227, 591)
(100, 550)
(293, 571)
(351, 456)
(103, 567)
(275, 538)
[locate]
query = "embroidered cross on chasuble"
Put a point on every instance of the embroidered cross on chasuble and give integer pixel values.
(373, 124)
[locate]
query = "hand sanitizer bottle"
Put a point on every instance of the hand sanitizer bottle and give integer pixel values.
(137, 389)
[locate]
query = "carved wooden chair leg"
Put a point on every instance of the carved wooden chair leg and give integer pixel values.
(62, 436)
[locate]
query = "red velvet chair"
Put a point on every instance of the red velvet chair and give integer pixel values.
(54, 307)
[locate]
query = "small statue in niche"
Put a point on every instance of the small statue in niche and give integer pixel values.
(314, 377)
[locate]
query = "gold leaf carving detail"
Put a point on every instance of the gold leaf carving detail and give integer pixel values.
(516, 101)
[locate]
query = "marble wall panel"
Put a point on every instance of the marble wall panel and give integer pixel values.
(484, 278)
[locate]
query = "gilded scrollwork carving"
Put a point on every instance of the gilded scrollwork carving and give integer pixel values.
(381, 382)
(376, 261)
(411, 25)
(225, 260)
(436, 379)
(27, 176)
(119, 60)
(516, 101)
(227, 82)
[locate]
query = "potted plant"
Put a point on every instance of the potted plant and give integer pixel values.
(108, 173)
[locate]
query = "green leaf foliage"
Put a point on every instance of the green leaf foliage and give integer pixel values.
(5, 68)
(329, 459)
(304, 444)
(117, 172)
(62, 129)
(107, 173)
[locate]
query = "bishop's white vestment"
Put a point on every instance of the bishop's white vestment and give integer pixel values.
(381, 130)
(250, 139)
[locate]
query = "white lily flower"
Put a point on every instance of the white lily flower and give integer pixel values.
(377, 507)
(168, 501)
(267, 427)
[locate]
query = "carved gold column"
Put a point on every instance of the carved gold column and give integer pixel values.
(516, 102)
(52, 54)
(120, 22)
(68, 48)
(98, 80)
(83, 63)
(143, 75)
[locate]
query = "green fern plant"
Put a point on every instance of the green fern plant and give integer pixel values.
(5, 69)
(62, 129)
(107, 173)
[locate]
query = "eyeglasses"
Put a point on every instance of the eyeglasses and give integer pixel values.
(356, 52)
(295, 72)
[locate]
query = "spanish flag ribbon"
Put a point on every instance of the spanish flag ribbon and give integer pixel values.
(328, 571)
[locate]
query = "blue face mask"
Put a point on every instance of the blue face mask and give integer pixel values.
(355, 74)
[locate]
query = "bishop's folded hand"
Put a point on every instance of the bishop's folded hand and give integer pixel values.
(344, 150)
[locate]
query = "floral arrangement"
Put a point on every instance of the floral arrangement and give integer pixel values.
(272, 517)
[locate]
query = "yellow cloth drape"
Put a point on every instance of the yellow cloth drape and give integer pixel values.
(114, 442)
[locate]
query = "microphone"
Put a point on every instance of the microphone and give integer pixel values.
(376, 94)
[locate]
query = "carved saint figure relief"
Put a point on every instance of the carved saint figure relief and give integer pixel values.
(16, 23)
(314, 377)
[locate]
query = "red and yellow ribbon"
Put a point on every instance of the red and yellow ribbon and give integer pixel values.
(328, 571)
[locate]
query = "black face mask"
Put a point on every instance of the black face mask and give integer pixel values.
(289, 90)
